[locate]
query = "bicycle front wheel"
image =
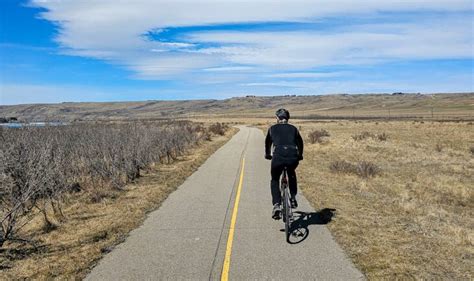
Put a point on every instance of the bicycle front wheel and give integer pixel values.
(287, 214)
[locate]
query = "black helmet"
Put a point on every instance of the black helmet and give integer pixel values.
(282, 114)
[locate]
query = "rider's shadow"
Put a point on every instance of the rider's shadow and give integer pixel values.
(299, 226)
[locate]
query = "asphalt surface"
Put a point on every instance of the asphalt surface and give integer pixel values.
(187, 237)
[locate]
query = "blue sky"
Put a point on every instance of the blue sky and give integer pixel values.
(117, 50)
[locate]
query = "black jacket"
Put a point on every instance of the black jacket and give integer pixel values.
(284, 136)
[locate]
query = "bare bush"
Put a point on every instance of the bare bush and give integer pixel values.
(38, 166)
(365, 135)
(367, 169)
(382, 137)
(207, 136)
(317, 136)
(218, 128)
(363, 169)
(342, 167)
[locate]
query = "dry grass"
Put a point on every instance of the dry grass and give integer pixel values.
(92, 229)
(415, 219)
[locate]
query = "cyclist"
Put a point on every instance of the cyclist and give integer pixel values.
(287, 152)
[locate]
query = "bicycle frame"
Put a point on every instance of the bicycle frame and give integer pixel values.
(286, 204)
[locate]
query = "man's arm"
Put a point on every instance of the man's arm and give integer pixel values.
(299, 144)
(268, 144)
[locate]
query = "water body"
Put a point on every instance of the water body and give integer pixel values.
(32, 124)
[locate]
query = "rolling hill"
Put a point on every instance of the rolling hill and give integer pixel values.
(456, 105)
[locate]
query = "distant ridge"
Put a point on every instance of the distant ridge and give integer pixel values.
(452, 104)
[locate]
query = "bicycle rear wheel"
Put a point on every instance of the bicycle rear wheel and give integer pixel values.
(287, 214)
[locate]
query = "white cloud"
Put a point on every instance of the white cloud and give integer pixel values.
(112, 30)
(228, 68)
(454, 83)
(308, 74)
(299, 50)
(167, 65)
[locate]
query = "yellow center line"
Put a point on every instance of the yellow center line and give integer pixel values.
(228, 252)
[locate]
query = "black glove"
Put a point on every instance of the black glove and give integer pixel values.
(300, 157)
(268, 157)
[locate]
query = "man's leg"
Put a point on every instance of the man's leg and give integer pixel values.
(276, 170)
(293, 183)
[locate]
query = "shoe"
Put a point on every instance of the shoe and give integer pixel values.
(294, 203)
(276, 213)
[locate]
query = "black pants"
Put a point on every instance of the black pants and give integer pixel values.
(276, 170)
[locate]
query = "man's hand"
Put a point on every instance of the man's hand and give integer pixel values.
(268, 157)
(300, 157)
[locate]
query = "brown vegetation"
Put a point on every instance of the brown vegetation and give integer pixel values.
(64, 179)
(414, 220)
(317, 136)
(363, 169)
(218, 128)
(365, 135)
(40, 165)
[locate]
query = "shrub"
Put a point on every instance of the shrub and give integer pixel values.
(364, 135)
(382, 137)
(207, 136)
(342, 167)
(363, 169)
(367, 169)
(317, 136)
(38, 166)
(218, 128)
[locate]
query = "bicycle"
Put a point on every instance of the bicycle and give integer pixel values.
(286, 204)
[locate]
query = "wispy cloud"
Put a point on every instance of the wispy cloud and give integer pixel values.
(169, 65)
(445, 38)
(362, 86)
(223, 47)
(228, 68)
(309, 74)
(113, 31)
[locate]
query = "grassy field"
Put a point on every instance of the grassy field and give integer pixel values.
(92, 228)
(403, 194)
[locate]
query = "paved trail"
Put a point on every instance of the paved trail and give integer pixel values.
(188, 236)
